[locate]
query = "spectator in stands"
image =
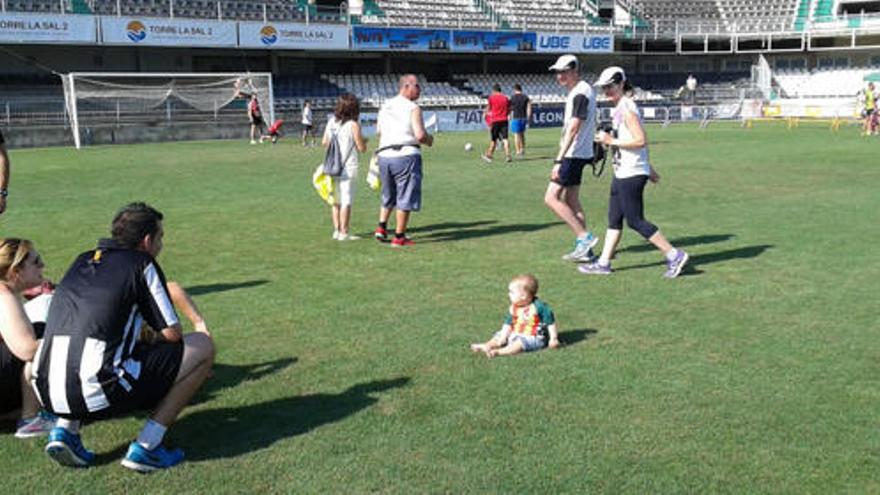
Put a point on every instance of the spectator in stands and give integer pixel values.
(308, 134)
(345, 126)
(401, 132)
(575, 153)
(93, 330)
(691, 85)
(255, 115)
(520, 116)
(4, 173)
(20, 268)
(632, 171)
(497, 110)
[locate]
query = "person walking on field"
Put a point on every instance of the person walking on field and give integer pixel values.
(401, 132)
(255, 115)
(520, 116)
(497, 109)
(632, 171)
(575, 153)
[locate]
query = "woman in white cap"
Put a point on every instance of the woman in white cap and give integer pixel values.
(632, 171)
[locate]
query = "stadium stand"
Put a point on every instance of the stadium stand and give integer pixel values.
(464, 14)
(802, 83)
(373, 89)
(546, 15)
(722, 16)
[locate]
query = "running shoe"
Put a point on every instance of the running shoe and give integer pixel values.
(486, 158)
(401, 241)
(674, 267)
(146, 461)
(594, 268)
(380, 234)
(583, 250)
(36, 426)
(347, 237)
(67, 449)
(508, 159)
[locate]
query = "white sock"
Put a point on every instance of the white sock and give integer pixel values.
(69, 425)
(152, 434)
(671, 254)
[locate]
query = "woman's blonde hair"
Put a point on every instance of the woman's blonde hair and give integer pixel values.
(527, 282)
(13, 252)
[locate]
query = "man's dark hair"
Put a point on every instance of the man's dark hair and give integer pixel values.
(517, 87)
(496, 87)
(134, 222)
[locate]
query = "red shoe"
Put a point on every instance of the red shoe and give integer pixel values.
(380, 234)
(401, 241)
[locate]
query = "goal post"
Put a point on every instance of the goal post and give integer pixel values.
(120, 99)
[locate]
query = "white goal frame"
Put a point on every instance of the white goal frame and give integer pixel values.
(69, 81)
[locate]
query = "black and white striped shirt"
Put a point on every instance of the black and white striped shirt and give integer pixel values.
(84, 363)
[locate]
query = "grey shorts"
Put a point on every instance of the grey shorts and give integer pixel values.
(529, 342)
(401, 182)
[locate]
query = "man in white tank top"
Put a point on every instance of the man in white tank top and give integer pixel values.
(401, 131)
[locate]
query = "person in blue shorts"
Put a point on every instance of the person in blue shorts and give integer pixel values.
(520, 115)
(529, 326)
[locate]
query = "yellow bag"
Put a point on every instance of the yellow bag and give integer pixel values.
(373, 179)
(323, 185)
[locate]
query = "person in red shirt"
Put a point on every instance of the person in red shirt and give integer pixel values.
(497, 109)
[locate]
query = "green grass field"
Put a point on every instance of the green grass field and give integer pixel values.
(344, 368)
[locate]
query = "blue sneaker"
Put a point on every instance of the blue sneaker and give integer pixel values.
(595, 268)
(583, 250)
(36, 426)
(146, 461)
(674, 267)
(66, 449)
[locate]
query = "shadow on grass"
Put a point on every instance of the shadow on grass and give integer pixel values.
(696, 240)
(228, 376)
(572, 337)
(451, 225)
(234, 431)
(705, 259)
(198, 290)
(462, 234)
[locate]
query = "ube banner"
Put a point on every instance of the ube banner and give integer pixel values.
(493, 41)
(575, 43)
(168, 32)
(300, 36)
(40, 28)
(406, 39)
(547, 117)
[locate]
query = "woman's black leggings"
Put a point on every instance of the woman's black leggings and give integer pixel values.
(626, 202)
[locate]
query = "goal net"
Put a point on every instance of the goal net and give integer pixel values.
(95, 101)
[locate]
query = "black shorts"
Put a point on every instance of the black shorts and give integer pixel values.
(10, 380)
(571, 171)
(257, 120)
(498, 130)
(160, 364)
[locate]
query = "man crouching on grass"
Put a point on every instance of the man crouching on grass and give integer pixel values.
(91, 363)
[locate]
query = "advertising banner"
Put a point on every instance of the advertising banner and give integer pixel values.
(575, 43)
(493, 41)
(168, 32)
(405, 39)
(47, 28)
(547, 117)
(296, 36)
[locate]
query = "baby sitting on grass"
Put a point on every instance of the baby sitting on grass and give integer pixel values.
(529, 325)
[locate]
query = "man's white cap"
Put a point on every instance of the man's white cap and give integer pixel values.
(611, 75)
(564, 62)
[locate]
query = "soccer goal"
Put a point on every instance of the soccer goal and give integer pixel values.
(96, 101)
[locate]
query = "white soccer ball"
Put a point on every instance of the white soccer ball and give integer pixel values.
(468, 146)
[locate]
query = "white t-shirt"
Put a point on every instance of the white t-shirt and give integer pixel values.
(347, 146)
(691, 83)
(394, 125)
(307, 116)
(581, 104)
(628, 162)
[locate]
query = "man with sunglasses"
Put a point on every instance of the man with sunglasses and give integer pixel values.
(93, 364)
(4, 173)
(401, 132)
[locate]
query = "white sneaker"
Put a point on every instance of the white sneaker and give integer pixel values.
(347, 237)
(336, 235)
(253, 142)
